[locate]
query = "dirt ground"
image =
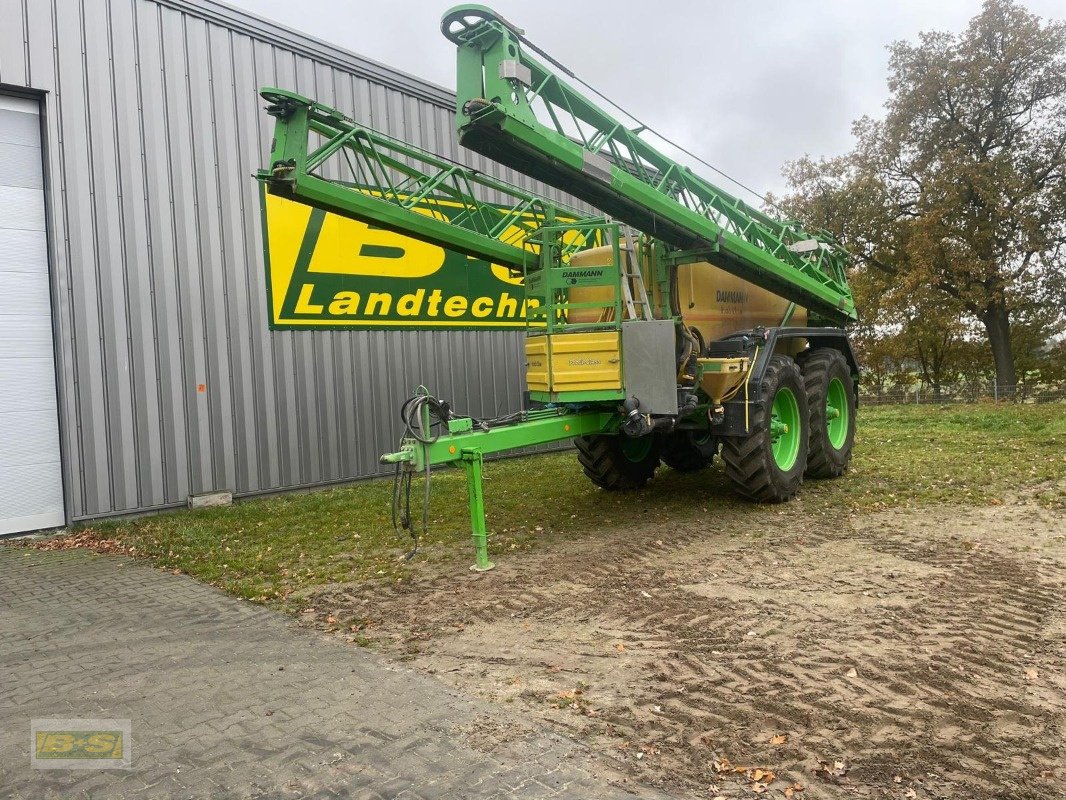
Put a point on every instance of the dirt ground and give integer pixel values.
(903, 654)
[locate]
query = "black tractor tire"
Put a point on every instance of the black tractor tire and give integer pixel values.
(618, 463)
(688, 451)
(749, 460)
(820, 368)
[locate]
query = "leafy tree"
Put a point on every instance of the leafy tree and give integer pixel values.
(935, 345)
(903, 377)
(975, 364)
(959, 192)
(879, 354)
(875, 336)
(1054, 368)
(901, 330)
(1034, 356)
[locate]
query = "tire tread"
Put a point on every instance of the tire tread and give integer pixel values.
(816, 366)
(747, 461)
(605, 465)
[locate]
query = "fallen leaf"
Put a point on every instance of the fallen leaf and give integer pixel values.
(620, 647)
(331, 619)
(910, 793)
(780, 738)
(837, 769)
(1031, 674)
(725, 765)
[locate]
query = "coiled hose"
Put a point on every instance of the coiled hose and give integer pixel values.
(422, 415)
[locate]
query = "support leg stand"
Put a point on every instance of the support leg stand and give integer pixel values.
(472, 462)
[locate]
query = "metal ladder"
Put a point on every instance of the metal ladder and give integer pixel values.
(637, 307)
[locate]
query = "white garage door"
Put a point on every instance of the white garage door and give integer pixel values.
(31, 488)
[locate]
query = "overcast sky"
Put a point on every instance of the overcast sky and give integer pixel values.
(746, 86)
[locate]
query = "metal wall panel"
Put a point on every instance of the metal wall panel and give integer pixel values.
(170, 381)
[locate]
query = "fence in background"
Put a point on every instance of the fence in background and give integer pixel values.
(978, 392)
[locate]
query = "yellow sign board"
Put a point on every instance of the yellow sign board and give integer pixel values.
(328, 271)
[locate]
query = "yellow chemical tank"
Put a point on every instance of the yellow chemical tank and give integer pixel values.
(716, 303)
(710, 299)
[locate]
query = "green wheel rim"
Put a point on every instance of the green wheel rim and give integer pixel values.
(836, 413)
(636, 450)
(785, 429)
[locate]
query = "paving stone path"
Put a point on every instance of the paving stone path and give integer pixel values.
(231, 700)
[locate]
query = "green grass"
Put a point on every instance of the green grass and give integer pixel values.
(274, 549)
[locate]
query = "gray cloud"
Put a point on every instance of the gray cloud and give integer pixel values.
(747, 86)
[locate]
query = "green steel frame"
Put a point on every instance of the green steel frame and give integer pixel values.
(553, 277)
(575, 145)
(516, 111)
(468, 448)
(392, 184)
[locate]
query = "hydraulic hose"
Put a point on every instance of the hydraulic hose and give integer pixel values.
(423, 415)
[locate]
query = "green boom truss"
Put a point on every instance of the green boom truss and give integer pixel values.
(325, 159)
(514, 110)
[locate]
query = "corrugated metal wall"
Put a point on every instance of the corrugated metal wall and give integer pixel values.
(153, 127)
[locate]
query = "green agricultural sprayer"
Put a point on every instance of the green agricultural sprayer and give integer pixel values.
(675, 324)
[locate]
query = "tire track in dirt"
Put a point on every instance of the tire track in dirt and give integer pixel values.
(905, 646)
